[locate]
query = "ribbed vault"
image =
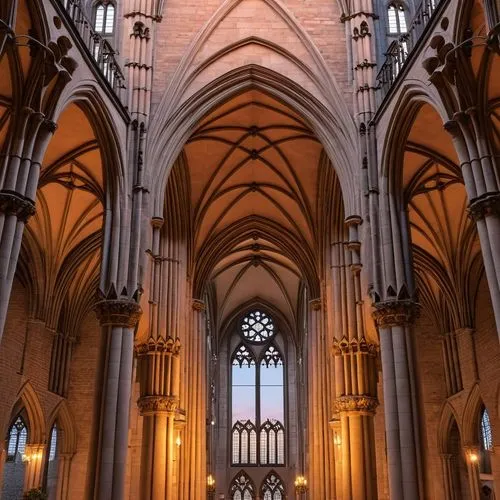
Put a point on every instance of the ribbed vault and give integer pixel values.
(253, 166)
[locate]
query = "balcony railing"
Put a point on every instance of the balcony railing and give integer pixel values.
(100, 49)
(399, 50)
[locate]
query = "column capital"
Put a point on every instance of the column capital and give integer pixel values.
(160, 344)
(12, 203)
(344, 346)
(351, 403)
(118, 312)
(152, 405)
(315, 304)
(484, 205)
(395, 313)
(198, 305)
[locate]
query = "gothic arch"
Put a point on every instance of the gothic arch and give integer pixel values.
(470, 417)
(167, 140)
(28, 399)
(448, 417)
(67, 439)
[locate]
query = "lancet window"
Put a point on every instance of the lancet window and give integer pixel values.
(485, 442)
(272, 487)
(258, 423)
(397, 18)
(104, 18)
(18, 435)
(242, 487)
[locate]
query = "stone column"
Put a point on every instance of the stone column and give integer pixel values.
(447, 466)
(118, 319)
(33, 473)
(194, 458)
(393, 319)
(159, 379)
(320, 444)
(63, 475)
(473, 471)
(355, 371)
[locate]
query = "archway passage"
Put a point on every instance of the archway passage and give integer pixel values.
(244, 218)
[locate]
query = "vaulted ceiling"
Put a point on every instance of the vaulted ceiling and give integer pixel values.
(253, 166)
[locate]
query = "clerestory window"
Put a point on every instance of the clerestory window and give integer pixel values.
(104, 18)
(18, 435)
(397, 18)
(258, 388)
(242, 487)
(485, 442)
(272, 487)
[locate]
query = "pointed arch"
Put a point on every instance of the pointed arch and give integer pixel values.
(471, 416)
(28, 399)
(272, 487)
(67, 437)
(446, 421)
(242, 487)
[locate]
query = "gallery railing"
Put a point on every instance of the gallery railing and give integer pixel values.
(100, 48)
(400, 50)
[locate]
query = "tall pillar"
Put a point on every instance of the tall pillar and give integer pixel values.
(159, 379)
(472, 459)
(33, 473)
(320, 443)
(393, 319)
(193, 473)
(355, 372)
(118, 319)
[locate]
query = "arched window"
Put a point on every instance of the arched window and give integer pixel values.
(242, 488)
(258, 410)
(52, 464)
(18, 435)
(397, 18)
(485, 442)
(272, 487)
(104, 18)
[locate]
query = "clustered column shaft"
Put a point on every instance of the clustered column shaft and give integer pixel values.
(159, 378)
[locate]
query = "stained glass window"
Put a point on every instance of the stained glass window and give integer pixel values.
(18, 435)
(257, 327)
(397, 19)
(242, 487)
(272, 487)
(53, 443)
(104, 18)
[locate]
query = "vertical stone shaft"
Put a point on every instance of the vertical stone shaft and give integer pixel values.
(159, 379)
(319, 441)
(194, 459)
(118, 319)
(356, 374)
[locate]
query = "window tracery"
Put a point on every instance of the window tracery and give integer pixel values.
(397, 18)
(53, 443)
(272, 487)
(257, 327)
(18, 435)
(485, 442)
(242, 487)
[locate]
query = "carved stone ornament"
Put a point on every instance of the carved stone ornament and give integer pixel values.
(159, 344)
(198, 305)
(344, 346)
(12, 203)
(315, 304)
(356, 403)
(124, 313)
(487, 204)
(151, 405)
(395, 313)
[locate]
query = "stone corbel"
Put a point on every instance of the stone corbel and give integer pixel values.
(153, 405)
(118, 312)
(484, 206)
(362, 403)
(12, 203)
(395, 313)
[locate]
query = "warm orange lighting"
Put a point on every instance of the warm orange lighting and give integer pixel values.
(301, 484)
(337, 440)
(473, 457)
(211, 483)
(178, 441)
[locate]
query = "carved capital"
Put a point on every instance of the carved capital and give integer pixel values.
(344, 346)
(159, 344)
(198, 305)
(125, 313)
(395, 313)
(356, 403)
(485, 205)
(152, 405)
(12, 203)
(315, 304)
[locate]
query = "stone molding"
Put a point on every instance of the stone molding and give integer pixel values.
(395, 313)
(12, 203)
(159, 344)
(315, 304)
(124, 313)
(356, 403)
(152, 405)
(485, 205)
(344, 346)
(198, 305)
